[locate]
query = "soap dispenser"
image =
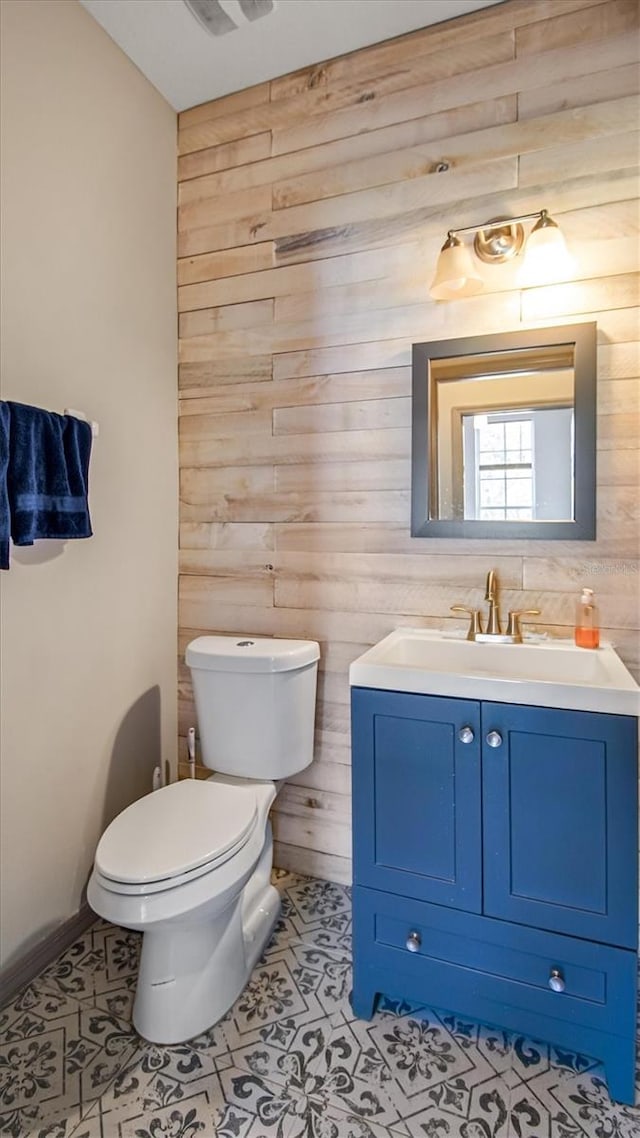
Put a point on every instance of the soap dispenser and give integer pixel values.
(587, 633)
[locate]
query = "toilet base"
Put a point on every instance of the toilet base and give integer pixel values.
(192, 972)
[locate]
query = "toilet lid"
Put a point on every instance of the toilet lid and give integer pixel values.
(176, 829)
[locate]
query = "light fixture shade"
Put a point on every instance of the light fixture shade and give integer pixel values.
(455, 275)
(546, 258)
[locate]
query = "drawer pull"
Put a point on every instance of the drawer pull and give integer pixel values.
(556, 980)
(466, 735)
(494, 739)
(414, 940)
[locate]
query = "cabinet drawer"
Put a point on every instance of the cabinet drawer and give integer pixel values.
(460, 957)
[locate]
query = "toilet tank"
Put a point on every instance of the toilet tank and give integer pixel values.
(255, 703)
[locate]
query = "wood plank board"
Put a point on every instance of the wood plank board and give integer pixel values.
(588, 25)
(580, 159)
(579, 92)
(226, 318)
(227, 263)
(228, 207)
(312, 863)
(344, 387)
(226, 535)
(228, 156)
(215, 373)
(367, 414)
(312, 505)
(226, 105)
(335, 446)
(373, 538)
(588, 296)
(374, 474)
(565, 575)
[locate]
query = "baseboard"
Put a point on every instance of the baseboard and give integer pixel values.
(15, 976)
(313, 863)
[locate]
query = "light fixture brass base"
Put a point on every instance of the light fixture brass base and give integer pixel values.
(496, 243)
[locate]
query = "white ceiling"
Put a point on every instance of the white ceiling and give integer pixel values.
(188, 66)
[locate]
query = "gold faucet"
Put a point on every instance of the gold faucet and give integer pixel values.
(513, 634)
(491, 595)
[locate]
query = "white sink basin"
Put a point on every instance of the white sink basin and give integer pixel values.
(551, 674)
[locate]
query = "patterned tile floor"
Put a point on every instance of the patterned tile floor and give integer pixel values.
(288, 1061)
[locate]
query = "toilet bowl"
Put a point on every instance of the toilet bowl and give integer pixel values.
(189, 865)
(203, 929)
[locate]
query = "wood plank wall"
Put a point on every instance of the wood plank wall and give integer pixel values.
(311, 213)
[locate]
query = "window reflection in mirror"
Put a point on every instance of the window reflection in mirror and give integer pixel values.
(496, 434)
(504, 445)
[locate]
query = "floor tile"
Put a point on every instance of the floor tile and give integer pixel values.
(282, 1019)
(324, 977)
(562, 1094)
(56, 1057)
(100, 969)
(286, 1051)
(494, 1043)
(315, 912)
(561, 1106)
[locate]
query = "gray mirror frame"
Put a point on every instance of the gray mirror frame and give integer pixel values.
(583, 527)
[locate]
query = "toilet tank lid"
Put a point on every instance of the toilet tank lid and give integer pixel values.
(250, 654)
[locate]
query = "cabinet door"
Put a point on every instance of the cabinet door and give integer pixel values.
(416, 796)
(560, 821)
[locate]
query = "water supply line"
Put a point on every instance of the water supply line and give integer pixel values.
(191, 746)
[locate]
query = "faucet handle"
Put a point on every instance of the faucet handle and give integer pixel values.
(475, 627)
(513, 624)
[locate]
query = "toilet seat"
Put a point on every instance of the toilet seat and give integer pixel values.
(175, 835)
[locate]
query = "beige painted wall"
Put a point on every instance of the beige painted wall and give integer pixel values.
(312, 209)
(88, 321)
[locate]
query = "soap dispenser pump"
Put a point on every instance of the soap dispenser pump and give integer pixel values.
(587, 633)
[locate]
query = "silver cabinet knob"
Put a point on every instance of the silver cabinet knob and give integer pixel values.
(494, 739)
(466, 735)
(556, 980)
(414, 940)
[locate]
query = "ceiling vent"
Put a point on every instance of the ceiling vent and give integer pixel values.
(219, 17)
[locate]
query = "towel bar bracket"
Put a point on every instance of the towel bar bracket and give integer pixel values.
(95, 427)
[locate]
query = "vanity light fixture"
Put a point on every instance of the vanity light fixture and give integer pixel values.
(495, 242)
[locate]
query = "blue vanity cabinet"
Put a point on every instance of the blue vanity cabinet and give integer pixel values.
(495, 867)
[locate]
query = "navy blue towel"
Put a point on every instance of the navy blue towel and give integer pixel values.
(48, 475)
(5, 523)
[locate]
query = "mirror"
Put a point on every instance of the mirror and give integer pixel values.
(503, 435)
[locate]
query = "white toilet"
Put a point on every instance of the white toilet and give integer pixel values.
(190, 865)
